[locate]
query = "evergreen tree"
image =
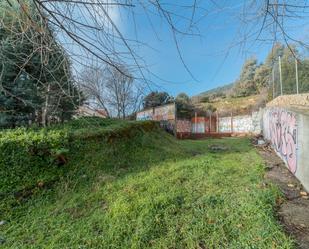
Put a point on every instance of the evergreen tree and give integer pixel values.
(185, 108)
(303, 75)
(276, 51)
(262, 77)
(156, 98)
(245, 85)
(36, 83)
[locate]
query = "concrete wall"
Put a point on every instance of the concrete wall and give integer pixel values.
(184, 126)
(145, 114)
(288, 131)
(166, 114)
(241, 124)
(225, 124)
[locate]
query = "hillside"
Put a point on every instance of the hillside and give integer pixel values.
(131, 185)
(240, 105)
(221, 90)
(225, 102)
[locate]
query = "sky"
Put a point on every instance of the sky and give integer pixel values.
(212, 58)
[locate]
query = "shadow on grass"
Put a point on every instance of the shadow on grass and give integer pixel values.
(218, 145)
(120, 158)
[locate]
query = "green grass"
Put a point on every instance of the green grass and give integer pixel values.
(31, 155)
(150, 191)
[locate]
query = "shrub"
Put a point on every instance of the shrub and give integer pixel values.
(30, 156)
(25, 153)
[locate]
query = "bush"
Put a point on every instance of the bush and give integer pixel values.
(31, 156)
(26, 153)
(205, 99)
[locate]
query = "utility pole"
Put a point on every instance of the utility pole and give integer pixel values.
(280, 75)
(296, 75)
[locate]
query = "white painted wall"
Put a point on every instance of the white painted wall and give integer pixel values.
(241, 123)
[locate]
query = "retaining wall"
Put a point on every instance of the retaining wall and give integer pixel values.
(293, 100)
(288, 131)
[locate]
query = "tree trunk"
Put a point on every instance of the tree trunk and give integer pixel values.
(45, 108)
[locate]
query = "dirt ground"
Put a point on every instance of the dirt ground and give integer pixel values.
(293, 211)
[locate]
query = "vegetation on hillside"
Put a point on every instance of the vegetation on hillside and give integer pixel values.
(144, 190)
(237, 106)
(255, 79)
(256, 82)
(28, 156)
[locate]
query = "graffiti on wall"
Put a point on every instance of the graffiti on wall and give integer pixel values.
(145, 115)
(166, 112)
(282, 132)
(168, 125)
(183, 126)
(241, 124)
(198, 125)
(225, 124)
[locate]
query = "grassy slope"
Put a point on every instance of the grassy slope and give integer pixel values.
(151, 191)
(241, 104)
(28, 156)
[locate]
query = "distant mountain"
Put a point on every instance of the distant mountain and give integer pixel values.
(220, 89)
(215, 91)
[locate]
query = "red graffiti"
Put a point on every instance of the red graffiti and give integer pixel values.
(283, 135)
(183, 126)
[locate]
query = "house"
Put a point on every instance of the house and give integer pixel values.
(87, 111)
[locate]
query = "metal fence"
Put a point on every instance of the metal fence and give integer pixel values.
(290, 77)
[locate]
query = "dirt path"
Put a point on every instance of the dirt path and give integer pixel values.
(294, 209)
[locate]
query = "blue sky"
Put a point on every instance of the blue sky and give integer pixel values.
(209, 57)
(214, 57)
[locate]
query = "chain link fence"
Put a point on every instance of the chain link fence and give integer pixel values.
(290, 77)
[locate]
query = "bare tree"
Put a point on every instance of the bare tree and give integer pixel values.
(272, 21)
(93, 83)
(89, 28)
(124, 97)
(115, 92)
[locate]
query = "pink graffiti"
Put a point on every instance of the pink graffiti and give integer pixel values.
(283, 135)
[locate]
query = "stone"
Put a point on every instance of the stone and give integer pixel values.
(261, 142)
(217, 148)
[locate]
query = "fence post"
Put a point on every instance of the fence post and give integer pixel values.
(296, 75)
(280, 75)
(217, 121)
(210, 114)
(175, 129)
(273, 76)
(231, 122)
(195, 124)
